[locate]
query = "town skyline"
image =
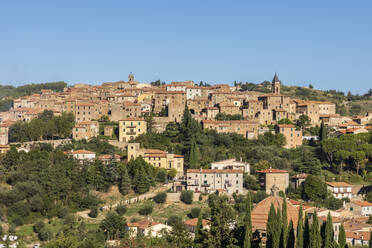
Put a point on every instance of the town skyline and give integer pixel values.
(323, 44)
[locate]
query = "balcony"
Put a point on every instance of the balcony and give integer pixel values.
(205, 185)
(131, 133)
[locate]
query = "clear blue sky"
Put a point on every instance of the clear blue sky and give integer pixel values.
(325, 43)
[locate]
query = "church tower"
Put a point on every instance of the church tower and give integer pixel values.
(275, 85)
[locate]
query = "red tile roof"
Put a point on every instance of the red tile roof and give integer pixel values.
(338, 184)
(193, 222)
(272, 171)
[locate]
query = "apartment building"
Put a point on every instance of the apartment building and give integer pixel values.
(85, 130)
(130, 128)
(273, 180)
(209, 180)
(292, 135)
(84, 111)
(157, 158)
(340, 189)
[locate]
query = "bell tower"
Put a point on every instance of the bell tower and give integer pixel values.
(275, 85)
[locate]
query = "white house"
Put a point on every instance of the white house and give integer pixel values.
(82, 155)
(340, 189)
(147, 228)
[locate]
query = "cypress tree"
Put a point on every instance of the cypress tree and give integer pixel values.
(291, 236)
(278, 229)
(248, 222)
(328, 232)
(306, 231)
(140, 181)
(322, 132)
(370, 240)
(342, 237)
(300, 230)
(315, 237)
(270, 227)
(199, 233)
(193, 159)
(284, 234)
(124, 184)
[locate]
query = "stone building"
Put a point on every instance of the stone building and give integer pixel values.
(85, 130)
(157, 158)
(130, 128)
(292, 135)
(271, 179)
(209, 180)
(246, 128)
(359, 208)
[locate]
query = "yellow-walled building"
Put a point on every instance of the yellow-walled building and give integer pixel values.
(130, 128)
(157, 158)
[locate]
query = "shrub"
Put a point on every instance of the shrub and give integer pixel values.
(146, 208)
(121, 209)
(194, 213)
(62, 212)
(174, 220)
(44, 235)
(160, 197)
(187, 196)
(93, 212)
(17, 220)
(38, 226)
(161, 176)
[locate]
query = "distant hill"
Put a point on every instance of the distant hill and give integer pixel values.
(8, 92)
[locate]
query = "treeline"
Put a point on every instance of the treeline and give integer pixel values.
(8, 92)
(45, 127)
(29, 89)
(351, 152)
(46, 182)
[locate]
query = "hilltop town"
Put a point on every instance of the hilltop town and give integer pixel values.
(165, 163)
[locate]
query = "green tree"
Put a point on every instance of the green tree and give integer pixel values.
(322, 132)
(248, 222)
(359, 158)
(342, 237)
(187, 196)
(200, 234)
(300, 230)
(291, 236)
(328, 235)
(273, 231)
(370, 240)
(140, 182)
(113, 225)
(124, 184)
(306, 243)
(160, 197)
(284, 235)
(193, 159)
(303, 121)
(315, 237)
(222, 216)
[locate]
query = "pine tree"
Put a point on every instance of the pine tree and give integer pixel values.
(315, 237)
(300, 230)
(342, 237)
(140, 181)
(328, 235)
(306, 231)
(248, 222)
(291, 236)
(284, 234)
(124, 184)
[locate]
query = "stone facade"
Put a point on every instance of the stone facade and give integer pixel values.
(292, 135)
(273, 180)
